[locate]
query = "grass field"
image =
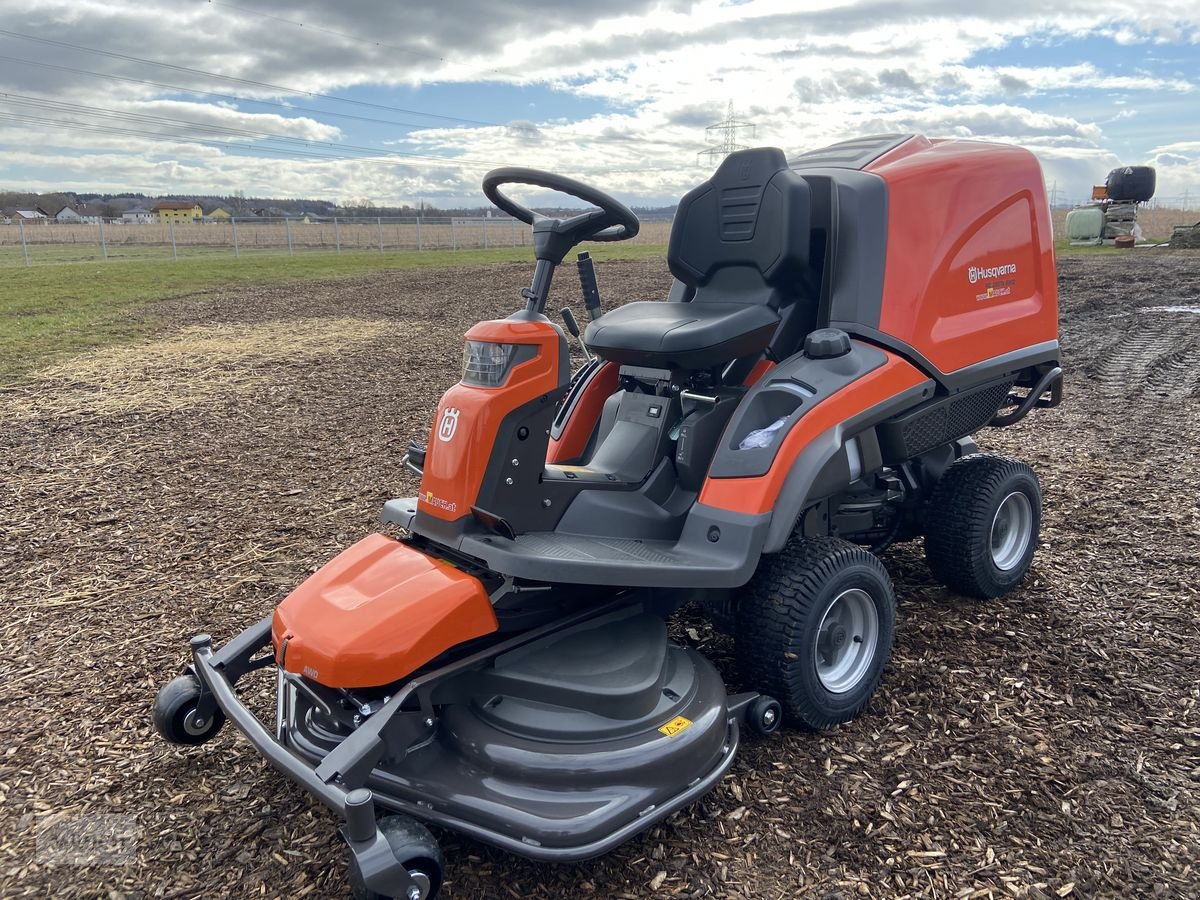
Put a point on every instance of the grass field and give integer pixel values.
(48, 311)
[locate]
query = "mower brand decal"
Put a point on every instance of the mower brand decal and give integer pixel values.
(996, 278)
(310, 672)
(676, 725)
(448, 505)
(448, 425)
(982, 273)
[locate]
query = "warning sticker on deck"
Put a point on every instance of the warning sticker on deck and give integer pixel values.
(675, 726)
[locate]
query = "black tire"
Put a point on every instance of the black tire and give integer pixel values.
(174, 713)
(415, 848)
(964, 536)
(781, 617)
(1131, 183)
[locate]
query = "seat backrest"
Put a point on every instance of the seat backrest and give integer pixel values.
(743, 235)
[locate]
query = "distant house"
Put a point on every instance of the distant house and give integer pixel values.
(137, 216)
(90, 215)
(178, 211)
(5, 218)
(30, 215)
(219, 214)
(66, 214)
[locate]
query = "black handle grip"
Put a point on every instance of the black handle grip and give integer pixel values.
(587, 282)
(569, 319)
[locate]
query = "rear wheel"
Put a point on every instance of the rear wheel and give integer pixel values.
(814, 629)
(984, 519)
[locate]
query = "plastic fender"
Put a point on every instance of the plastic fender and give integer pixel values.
(377, 612)
(812, 441)
(582, 420)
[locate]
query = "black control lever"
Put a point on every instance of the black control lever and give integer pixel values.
(573, 327)
(587, 282)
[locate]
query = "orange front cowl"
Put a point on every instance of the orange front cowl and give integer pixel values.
(375, 613)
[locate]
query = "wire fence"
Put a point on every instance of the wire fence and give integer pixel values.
(37, 242)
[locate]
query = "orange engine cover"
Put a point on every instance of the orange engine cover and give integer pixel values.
(970, 253)
(376, 612)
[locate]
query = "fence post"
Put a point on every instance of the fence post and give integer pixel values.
(103, 243)
(486, 228)
(337, 235)
(174, 249)
(24, 246)
(379, 222)
(420, 243)
(288, 223)
(453, 236)
(237, 251)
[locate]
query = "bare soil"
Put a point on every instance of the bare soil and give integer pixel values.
(1044, 745)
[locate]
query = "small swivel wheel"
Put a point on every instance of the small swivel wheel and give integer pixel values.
(764, 716)
(416, 850)
(176, 713)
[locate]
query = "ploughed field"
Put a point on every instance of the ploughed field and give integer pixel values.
(1044, 745)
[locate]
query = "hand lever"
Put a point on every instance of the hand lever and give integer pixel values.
(573, 327)
(587, 282)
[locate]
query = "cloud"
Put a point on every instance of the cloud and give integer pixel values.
(658, 71)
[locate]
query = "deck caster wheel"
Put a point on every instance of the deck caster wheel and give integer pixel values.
(415, 849)
(175, 713)
(814, 629)
(764, 716)
(984, 518)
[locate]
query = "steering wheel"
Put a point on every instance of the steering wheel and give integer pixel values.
(613, 221)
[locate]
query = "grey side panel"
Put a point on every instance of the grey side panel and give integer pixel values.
(788, 391)
(968, 376)
(858, 209)
(400, 511)
(717, 548)
(797, 488)
(853, 154)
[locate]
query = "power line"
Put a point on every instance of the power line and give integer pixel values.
(188, 90)
(246, 81)
(150, 118)
(341, 34)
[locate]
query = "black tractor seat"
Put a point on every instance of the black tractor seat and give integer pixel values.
(739, 249)
(682, 335)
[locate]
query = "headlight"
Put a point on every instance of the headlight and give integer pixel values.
(486, 364)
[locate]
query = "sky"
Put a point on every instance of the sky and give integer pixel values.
(397, 103)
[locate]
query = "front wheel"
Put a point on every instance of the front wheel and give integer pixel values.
(176, 713)
(814, 629)
(984, 519)
(415, 849)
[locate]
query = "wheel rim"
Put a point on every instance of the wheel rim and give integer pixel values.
(846, 641)
(422, 882)
(194, 726)
(1012, 530)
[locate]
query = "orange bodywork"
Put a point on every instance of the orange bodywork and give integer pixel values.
(468, 418)
(757, 495)
(761, 368)
(571, 443)
(375, 613)
(970, 253)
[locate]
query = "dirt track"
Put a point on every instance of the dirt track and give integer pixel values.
(1039, 746)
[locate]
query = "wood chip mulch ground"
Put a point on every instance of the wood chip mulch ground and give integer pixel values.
(1046, 745)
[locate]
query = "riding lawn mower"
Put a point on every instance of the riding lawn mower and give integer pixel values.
(837, 328)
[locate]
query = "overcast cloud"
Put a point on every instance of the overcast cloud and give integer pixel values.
(617, 93)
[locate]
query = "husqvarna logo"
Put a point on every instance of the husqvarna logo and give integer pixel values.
(448, 425)
(981, 273)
